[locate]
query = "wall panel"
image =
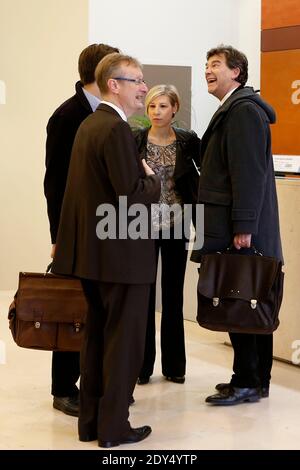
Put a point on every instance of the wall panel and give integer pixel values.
(280, 13)
(280, 71)
(280, 86)
(39, 46)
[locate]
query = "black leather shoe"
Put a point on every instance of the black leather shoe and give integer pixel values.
(92, 436)
(68, 405)
(143, 380)
(224, 388)
(134, 435)
(131, 400)
(234, 396)
(177, 380)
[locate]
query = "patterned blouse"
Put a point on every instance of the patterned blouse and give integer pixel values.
(161, 159)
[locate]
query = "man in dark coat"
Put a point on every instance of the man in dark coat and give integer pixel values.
(61, 131)
(96, 243)
(237, 188)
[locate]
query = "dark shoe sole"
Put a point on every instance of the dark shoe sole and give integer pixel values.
(107, 444)
(238, 402)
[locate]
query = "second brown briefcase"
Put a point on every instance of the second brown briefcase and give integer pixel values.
(48, 312)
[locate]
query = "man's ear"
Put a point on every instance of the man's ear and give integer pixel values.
(113, 86)
(236, 72)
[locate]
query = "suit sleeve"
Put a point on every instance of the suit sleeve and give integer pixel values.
(246, 143)
(60, 136)
(125, 169)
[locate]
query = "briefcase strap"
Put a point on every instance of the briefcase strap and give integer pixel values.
(48, 269)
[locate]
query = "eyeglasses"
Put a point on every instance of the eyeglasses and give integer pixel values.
(137, 81)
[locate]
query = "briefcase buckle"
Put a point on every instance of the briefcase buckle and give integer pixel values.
(77, 327)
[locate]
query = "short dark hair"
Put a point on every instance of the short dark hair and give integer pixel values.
(234, 59)
(89, 59)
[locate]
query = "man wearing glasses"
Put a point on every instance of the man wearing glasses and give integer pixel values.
(116, 273)
(61, 131)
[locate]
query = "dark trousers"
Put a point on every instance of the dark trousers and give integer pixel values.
(111, 356)
(65, 373)
(253, 357)
(173, 264)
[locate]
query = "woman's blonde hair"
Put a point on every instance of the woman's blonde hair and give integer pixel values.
(163, 90)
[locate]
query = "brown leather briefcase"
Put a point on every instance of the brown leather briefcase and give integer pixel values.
(239, 293)
(48, 312)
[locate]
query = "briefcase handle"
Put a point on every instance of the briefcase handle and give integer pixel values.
(48, 269)
(232, 248)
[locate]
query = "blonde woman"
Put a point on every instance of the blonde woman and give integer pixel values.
(173, 154)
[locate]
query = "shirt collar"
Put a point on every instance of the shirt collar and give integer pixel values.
(227, 95)
(92, 99)
(116, 108)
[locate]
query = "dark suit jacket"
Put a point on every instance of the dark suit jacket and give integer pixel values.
(104, 165)
(61, 131)
(237, 183)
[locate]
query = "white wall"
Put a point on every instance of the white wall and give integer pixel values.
(179, 32)
(39, 46)
(249, 26)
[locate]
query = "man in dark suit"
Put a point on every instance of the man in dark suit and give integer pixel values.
(61, 130)
(117, 269)
(237, 188)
